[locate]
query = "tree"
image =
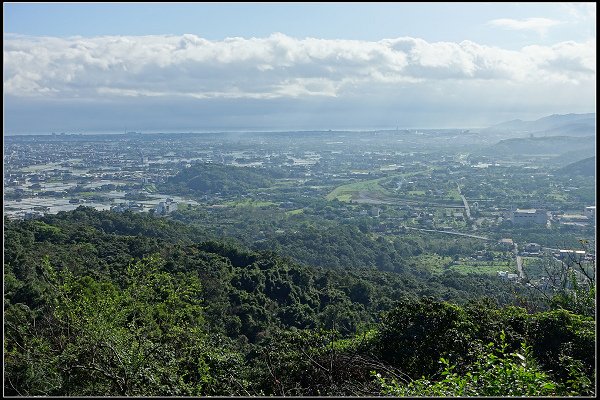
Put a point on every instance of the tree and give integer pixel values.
(569, 283)
(415, 334)
(94, 338)
(496, 372)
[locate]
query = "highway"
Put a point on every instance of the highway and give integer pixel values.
(467, 209)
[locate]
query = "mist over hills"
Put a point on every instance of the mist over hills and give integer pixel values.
(563, 138)
(563, 149)
(552, 125)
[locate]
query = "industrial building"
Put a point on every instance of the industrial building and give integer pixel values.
(529, 216)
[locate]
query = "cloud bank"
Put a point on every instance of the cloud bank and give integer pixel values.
(126, 69)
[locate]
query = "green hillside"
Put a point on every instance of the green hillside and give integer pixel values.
(210, 178)
(585, 167)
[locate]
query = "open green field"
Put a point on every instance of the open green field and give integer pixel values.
(432, 262)
(372, 191)
(351, 191)
(285, 183)
(453, 194)
(483, 267)
(150, 188)
(437, 264)
(295, 212)
(249, 203)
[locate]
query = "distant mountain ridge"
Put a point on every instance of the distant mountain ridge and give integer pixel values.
(552, 125)
(562, 150)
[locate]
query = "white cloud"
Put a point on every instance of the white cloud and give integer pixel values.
(539, 25)
(274, 67)
(566, 61)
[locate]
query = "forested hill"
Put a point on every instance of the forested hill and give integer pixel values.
(553, 145)
(99, 303)
(585, 167)
(208, 178)
(139, 235)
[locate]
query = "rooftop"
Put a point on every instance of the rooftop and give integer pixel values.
(526, 210)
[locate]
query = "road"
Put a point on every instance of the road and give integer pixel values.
(519, 262)
(467, 209)
(449, 233)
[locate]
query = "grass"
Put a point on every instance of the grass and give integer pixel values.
(286, 183)
(437, 264)
(352, 191)
(249, 203)
(432, 262)
(151, 188)
(295, 212)
(347, 192)
(453, 194)
(40, 167)
(482, 267)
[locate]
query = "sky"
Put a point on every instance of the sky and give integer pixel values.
(181, 67)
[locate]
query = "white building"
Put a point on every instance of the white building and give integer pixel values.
(529, 216)
(570, 219)
(166, 207)
(131, 206)
(571, 255)
(507, 275)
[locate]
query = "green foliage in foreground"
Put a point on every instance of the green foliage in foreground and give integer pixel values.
(415, 335)
(93, 339)
(496, 372)
(109, 304)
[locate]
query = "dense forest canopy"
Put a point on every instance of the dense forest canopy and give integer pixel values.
(100, 303)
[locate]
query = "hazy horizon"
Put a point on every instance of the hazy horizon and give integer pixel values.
(255, 67)
(266, 130)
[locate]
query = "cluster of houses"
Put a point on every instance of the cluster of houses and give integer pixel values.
(162, 208)
(166, 207)
(128, 206)
(507, 275)
(536, 250)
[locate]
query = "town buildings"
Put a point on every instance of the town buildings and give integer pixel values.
(529, 216)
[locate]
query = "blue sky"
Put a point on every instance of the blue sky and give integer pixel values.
(369, 64)
(361, 21)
